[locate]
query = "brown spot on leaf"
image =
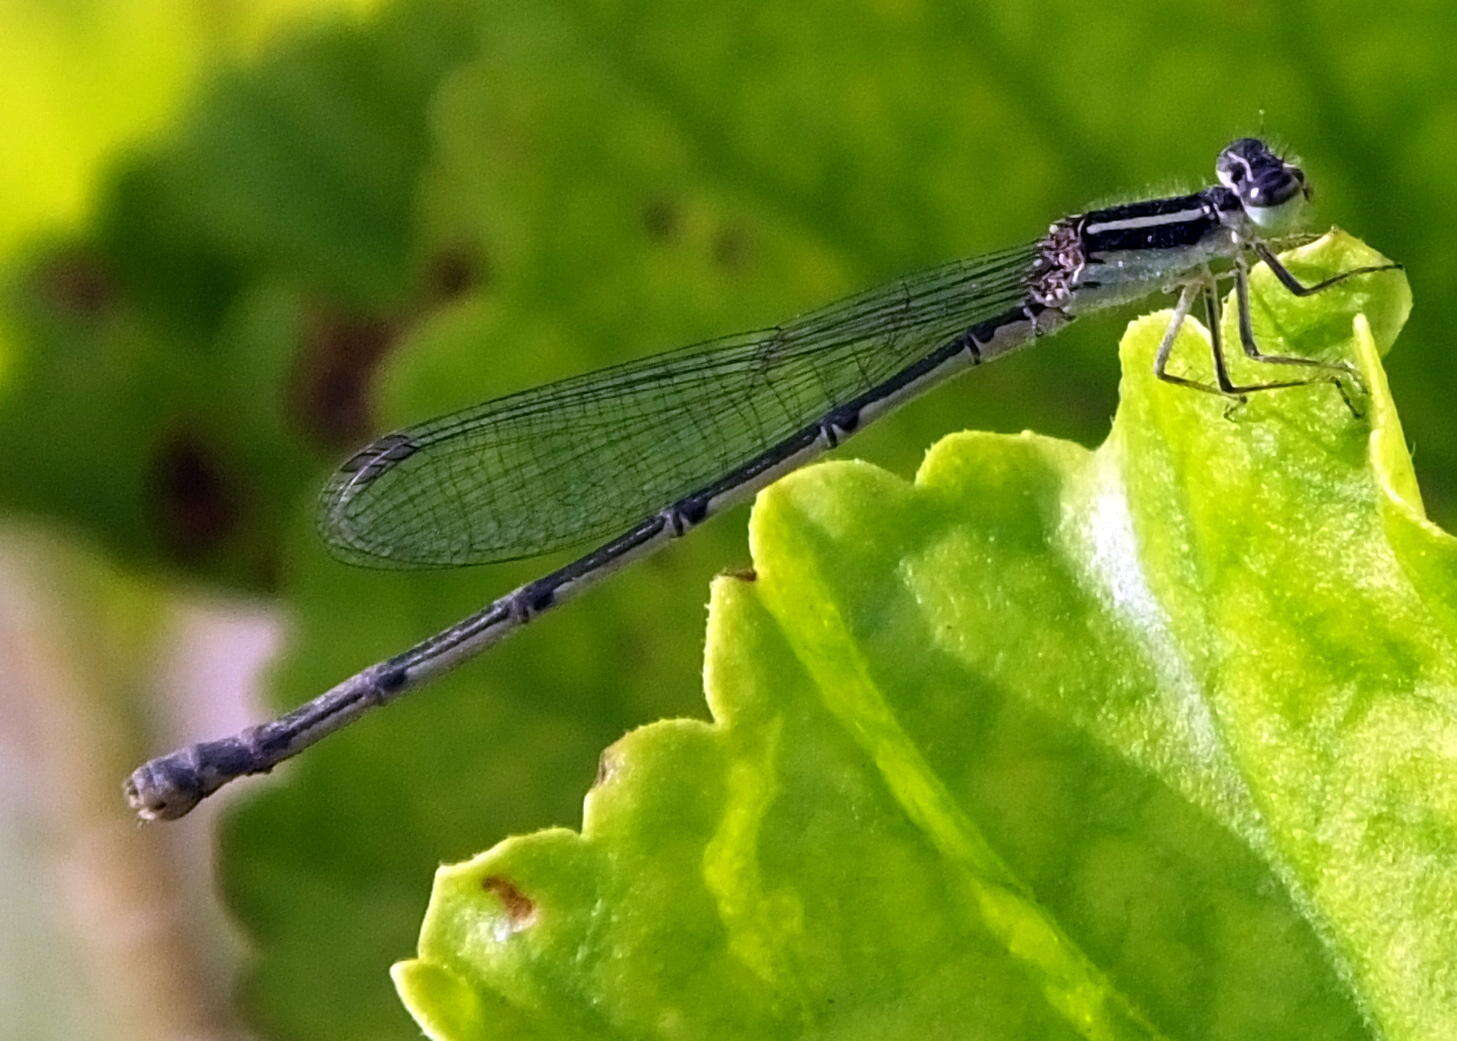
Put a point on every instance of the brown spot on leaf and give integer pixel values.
(329, 394)
(198, 505)
(520, 911)
(746, 574)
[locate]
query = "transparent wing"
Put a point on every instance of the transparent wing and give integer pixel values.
(586, 457)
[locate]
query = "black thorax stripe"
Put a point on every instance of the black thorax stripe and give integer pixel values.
(1183, 220)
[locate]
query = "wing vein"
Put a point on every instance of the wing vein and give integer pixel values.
(547, 468)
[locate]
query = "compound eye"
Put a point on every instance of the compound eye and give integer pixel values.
(1231, 171)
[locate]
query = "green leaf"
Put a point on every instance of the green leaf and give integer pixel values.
(1154, 741)
(178, 374)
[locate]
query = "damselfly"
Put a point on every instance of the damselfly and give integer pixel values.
(639, 454)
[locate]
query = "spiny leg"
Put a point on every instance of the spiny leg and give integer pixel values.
(1213, 313)
(1290, 282)
(1166, 346)
(1224, 386)
(1297, 288)
(1251, 345)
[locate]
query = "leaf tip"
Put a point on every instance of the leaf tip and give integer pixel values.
(442, 1004)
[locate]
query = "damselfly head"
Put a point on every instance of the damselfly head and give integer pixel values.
(1272, 191)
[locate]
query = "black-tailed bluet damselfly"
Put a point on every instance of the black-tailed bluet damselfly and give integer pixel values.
(636, 455)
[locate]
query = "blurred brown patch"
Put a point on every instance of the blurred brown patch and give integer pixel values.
(198, 506)
(732, 249)
(453, 272)
(75, 281)
(329, 393)
(660, 220)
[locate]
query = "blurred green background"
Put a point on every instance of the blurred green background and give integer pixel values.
(238, 238)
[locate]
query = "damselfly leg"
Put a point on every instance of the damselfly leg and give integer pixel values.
(1187, 292)
(1252, 346)
(1290, 282)
(1207, 287)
